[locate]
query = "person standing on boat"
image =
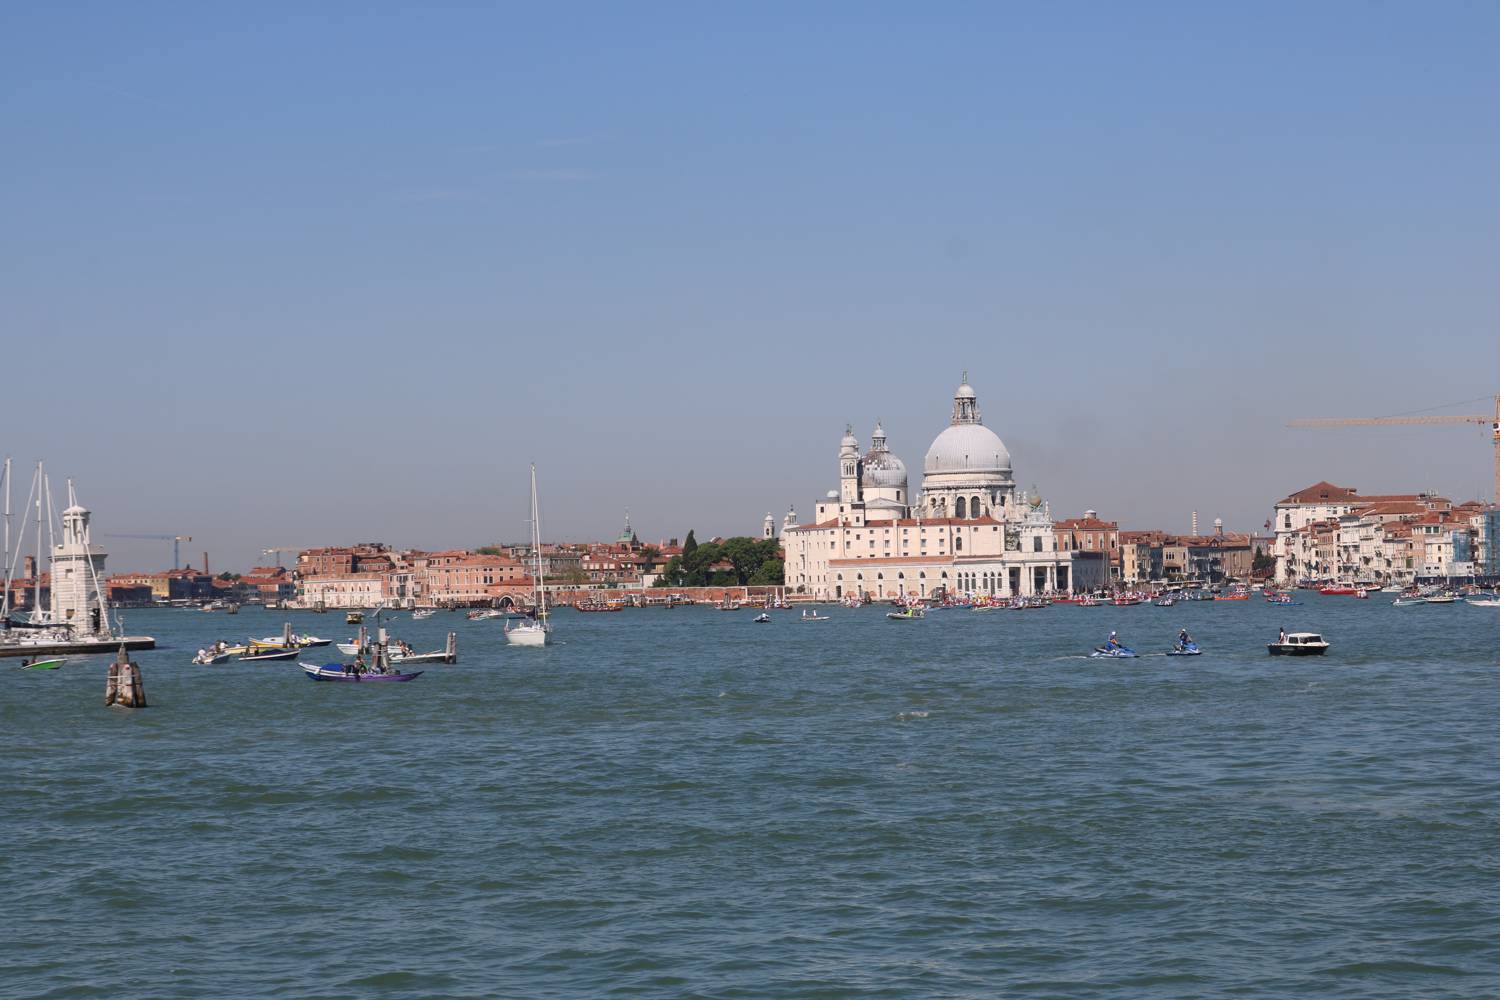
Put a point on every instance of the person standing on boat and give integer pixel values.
(1281, 639)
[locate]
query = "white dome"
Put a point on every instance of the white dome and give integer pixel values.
(882, 469)
(967, 448)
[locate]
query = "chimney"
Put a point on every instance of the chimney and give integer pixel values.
(205, 564)
(28, 568)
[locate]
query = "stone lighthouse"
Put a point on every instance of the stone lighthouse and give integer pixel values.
(78, 574)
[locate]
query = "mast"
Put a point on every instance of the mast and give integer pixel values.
(536, 545)
(36, 569)
(5, 595)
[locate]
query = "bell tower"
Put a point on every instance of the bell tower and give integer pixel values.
(849, 467)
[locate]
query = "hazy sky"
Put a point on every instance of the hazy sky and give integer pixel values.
(294, 274)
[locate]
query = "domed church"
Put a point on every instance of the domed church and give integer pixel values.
(969, 532)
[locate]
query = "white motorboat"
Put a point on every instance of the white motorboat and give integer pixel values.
(421, 614)
(1298, 644)
(537, 631)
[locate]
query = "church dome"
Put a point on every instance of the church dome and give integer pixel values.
(967, 445)
(882, 469)
(967, 448)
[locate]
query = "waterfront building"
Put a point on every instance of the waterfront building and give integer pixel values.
(1089, 534)
(968, 531)
(1295, 517)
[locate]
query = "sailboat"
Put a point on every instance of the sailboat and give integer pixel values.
(536, 632)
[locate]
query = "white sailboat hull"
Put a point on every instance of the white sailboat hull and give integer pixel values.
(528, 635)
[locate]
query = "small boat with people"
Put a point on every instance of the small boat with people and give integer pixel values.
(1297, 644)
(762, 619)
(354, 618)
(49, 663)
(1409, 601)
(1442, 597)
(422, 614)
(267, 654)
(215, 654)
(344, 672)
(909, 614)
(814, 616)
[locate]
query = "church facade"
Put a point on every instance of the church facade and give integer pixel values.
(969, 531)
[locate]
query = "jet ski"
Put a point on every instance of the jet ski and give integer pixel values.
(1185, 649)
(1113, 652)
(762, 618)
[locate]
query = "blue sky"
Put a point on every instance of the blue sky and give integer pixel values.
(286, 274)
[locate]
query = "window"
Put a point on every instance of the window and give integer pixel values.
(958, 543)
(974, 507)
(1036, 543)
(958, 507)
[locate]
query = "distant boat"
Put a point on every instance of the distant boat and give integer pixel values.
(422, 614)
(537, 632)
(814, 617)
(51, 664)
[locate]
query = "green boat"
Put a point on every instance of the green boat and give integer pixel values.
(51, 664)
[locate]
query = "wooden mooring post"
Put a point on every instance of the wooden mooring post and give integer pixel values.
(124, 687)
(450, 651)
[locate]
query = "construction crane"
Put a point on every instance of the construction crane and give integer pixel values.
(1492, 422)
(277, 551)
(176, 541)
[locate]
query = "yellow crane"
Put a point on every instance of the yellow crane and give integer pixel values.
(1473, 418)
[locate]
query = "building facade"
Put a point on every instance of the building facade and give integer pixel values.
(968, 531)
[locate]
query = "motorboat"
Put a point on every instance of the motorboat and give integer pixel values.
(1446, 597)
(48, 664)
(485, 614)
(910, 614)
(1483, 602)
(1408, 601)
(354, 618)
(762, 619)
(1298, 644)
(1166, 602)
(1115, 652)
(422, 614)
(339, 672)
(1188, 648)
(212, 657)
(1339, 590)
(262, 654)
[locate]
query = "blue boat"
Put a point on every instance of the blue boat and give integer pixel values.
(1185, 649)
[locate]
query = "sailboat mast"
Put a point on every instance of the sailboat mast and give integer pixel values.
(36, 569)
(5, 596)
(536, 543)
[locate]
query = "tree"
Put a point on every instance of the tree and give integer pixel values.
(690, 546)
(490, 550)
(769, 574)
(651, 554)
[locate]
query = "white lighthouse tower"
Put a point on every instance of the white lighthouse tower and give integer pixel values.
(78, 574)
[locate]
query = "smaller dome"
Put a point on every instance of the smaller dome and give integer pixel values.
(849, 441)
(965, 391)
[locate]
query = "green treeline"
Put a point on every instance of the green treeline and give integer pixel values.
(751, 562)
